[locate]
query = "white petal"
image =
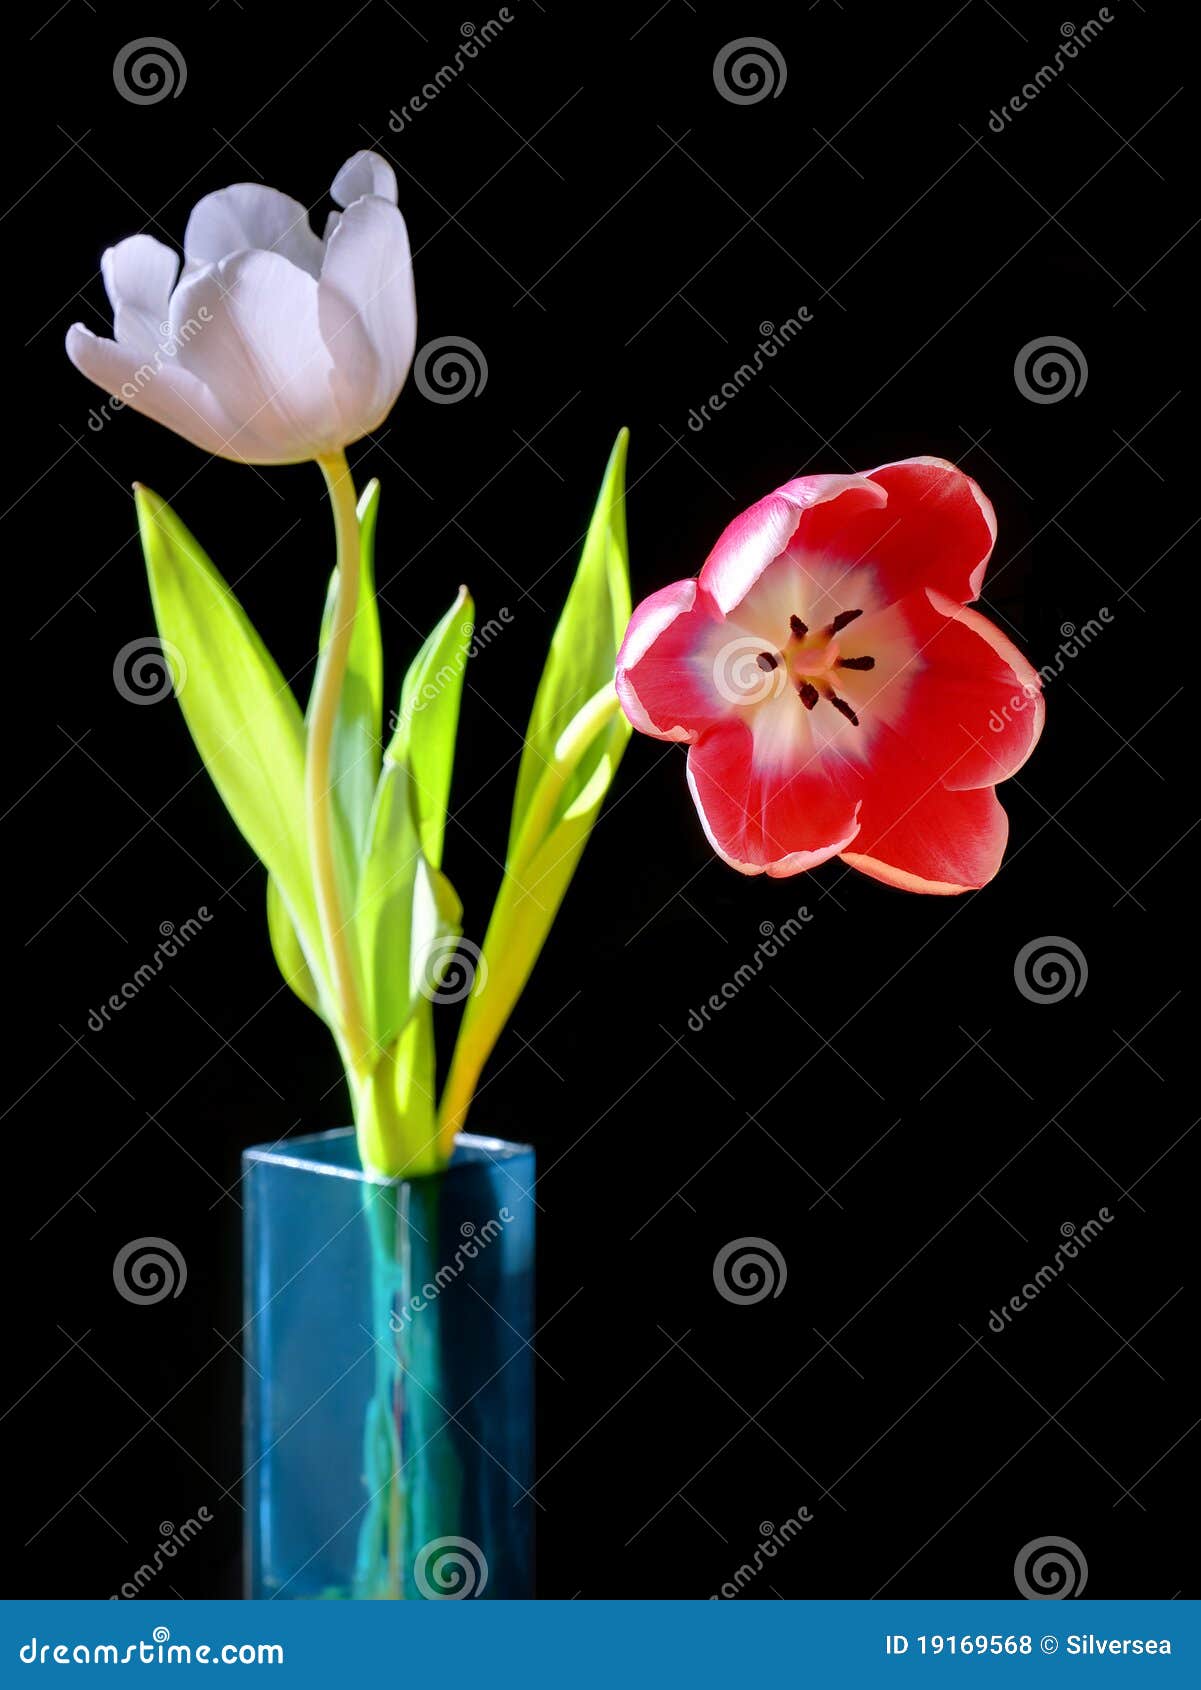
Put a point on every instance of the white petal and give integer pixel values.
(365, 173)
(260, 349)
(368, 308)
(139, 274)
(158, 388)
(251, 218)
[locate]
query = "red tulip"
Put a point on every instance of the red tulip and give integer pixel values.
(837, 695)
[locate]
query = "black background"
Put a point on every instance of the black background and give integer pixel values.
(882, 1103)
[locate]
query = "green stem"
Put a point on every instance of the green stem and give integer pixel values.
(319, 798)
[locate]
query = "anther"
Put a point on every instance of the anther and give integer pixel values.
(841, 620)
(799, 628)
(841, 705)
(766, 662)
(808, 694)
(855, 662)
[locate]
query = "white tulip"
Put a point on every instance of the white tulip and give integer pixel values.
(276, 346)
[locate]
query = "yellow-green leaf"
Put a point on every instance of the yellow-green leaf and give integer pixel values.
(241, 712)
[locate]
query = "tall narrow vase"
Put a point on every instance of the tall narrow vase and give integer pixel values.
(389, 1380)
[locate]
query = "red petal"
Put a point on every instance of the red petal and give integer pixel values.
(760, 534)
(777, 819)
(975, 711)
(937, 530)
(931, 841)
(662, 691)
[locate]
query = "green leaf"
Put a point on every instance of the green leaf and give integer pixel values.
(408, 913)
(241, 712)
(584, 647)
(564, 776)
(428, 719)
(288, 951)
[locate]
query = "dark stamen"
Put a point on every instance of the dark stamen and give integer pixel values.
(843, 617)
(799, 628)
(856, 662)
(809, 694)
(766, 662)
(842, 705)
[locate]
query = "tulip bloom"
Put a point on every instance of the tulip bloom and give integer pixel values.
(837, 696)
(276, 345)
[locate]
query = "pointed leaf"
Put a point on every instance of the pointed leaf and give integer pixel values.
(288, 951)
(585, 643)
(428, 720)
(241, 712)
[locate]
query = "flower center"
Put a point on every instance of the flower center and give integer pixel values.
(812, 658)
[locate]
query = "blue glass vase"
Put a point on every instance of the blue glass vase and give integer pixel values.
(389, 1379)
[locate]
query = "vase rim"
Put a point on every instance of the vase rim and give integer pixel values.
(290, 1153)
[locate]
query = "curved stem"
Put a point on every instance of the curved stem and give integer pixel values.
(319, 798)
